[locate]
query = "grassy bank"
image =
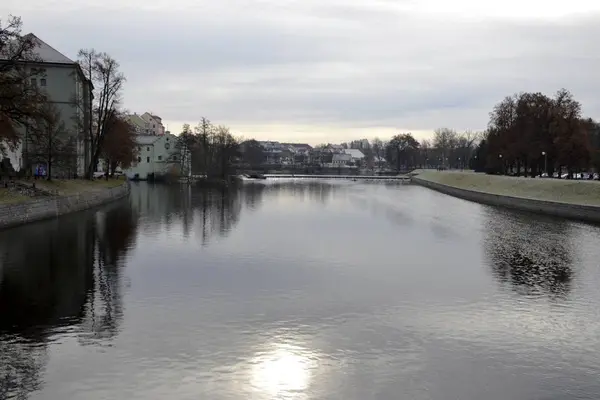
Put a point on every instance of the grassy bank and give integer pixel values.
(65, 187)
(11, 197)
(557, 190)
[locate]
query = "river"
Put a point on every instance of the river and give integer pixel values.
(300, 290)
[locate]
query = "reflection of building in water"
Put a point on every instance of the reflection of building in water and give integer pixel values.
(531, 253)
(53, 274)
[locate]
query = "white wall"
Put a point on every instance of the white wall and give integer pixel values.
(155, 157)
(15, 156)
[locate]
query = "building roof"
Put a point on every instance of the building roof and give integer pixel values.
(342, 157)
(47, 53)
(148, 115)
(137, 120)
(298, 145)
(355, 153)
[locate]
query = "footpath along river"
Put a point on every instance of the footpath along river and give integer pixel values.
(300, 290)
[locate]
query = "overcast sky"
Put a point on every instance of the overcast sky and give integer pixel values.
(330, 70)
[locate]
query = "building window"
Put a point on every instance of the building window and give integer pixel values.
(147, 159)
(43, 82)
(147, 148)
(139, 159)
(159, 158)
(34, 81)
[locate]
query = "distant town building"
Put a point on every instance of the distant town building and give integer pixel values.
(356, 155)
(341, 160)
(335, 148)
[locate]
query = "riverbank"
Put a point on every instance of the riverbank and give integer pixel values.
(565, 198)
(61, 197)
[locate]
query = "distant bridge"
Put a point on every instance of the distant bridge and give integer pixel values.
(389, 178)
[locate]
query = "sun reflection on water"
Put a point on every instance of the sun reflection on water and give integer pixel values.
(284, 371)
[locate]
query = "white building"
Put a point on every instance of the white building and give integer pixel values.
(15, 156)
(341, 160)
(158, 155)
(7, 150)
(356, 155)
(154, 124)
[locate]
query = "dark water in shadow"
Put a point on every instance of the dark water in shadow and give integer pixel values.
(300, 290)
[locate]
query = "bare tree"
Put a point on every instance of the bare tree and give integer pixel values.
(103, 71)
(445, 140)
(53, 145)
(185, 144)
(202, 153)
(425, 148)
(19, 98)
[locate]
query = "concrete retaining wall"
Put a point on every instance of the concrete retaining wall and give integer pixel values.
(45, 208)
(571, 211)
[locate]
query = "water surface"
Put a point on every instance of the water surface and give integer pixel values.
(300, 290)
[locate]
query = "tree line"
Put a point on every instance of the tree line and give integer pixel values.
(530, 134)
(447, 148)
(527, 134)
(52, 138)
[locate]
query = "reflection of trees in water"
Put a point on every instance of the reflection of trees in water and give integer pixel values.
(162, 204)
(104, 306)
(211, 211)
(530, 253)
(217, 211)
(51, 275)
(252, 195)
(21, 368)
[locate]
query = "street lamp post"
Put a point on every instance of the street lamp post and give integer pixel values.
(501, 165)
(545, 162)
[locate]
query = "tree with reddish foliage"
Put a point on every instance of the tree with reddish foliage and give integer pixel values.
(119, 147)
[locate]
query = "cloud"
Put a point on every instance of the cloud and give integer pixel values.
(298, 70)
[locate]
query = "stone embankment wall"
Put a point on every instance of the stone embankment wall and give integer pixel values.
(52, 207)
(565, 210)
